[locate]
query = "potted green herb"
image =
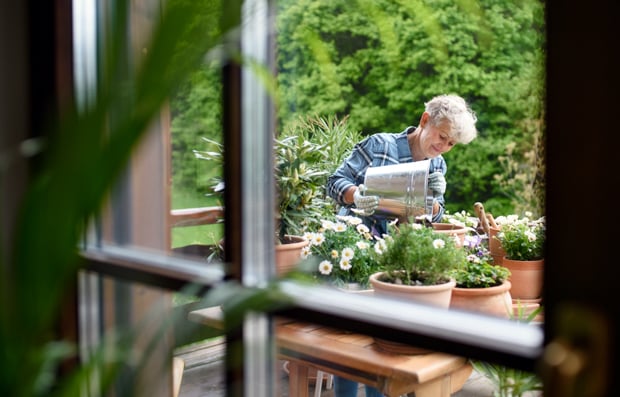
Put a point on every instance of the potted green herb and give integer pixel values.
(417, 263)
(416, 257)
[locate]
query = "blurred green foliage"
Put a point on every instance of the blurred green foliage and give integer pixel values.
(81, 158)
(196, 112)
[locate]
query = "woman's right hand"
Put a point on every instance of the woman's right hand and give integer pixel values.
(365, 204)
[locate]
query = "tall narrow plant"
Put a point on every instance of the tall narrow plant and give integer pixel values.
(511, 382)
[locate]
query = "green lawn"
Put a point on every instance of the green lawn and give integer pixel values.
(207, 234)
(182, 236)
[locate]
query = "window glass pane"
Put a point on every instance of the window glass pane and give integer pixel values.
(339, 82)
(345, 73)
(161, 201)
(197, 159)
(376, 64)
(130, 291)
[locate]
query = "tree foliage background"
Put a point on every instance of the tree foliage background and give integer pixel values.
(376, 62)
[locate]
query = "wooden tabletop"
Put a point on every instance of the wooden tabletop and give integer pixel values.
(355, 356)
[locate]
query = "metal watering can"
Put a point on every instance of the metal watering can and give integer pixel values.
(402, 190)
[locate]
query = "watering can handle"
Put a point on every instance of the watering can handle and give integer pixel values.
(484, 221)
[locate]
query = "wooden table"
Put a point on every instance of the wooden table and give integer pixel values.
(356, 357)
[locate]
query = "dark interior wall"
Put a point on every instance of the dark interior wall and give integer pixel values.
(35, 84)
(35, 81)
(14, 120)
(582, 167)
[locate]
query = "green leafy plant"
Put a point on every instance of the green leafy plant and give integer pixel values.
(299, 183)
(522, 238)
(341, 252)
(213, 152)
(509, 382)
(327, 64)
(306, 152)
(525, 314)
(479, 271)
(416, 255)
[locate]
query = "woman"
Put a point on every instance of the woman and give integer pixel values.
(446, 121)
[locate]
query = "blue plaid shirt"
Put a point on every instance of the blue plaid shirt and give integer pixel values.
(375, 151)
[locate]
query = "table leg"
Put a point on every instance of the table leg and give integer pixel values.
(439, 387)
(459, 377)
(298, 380)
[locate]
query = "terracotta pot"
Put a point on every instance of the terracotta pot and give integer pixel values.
(452, 230)
(288, 255)
(523, 308)
(436, 295)
(526, 278)
(495, 247)
(495, 301)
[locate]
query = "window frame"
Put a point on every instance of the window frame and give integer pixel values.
(573, 85)
(249, 124)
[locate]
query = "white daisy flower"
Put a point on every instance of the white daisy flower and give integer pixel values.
(340, 227)
(530, 235)
(345, 264)
(348, 253)
(354, 220)
(327, 225)
(362, 229)
(439, 243)
(325, 267)
(473, 258)
(318, 238)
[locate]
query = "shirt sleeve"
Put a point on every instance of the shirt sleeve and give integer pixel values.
(351, 172)
(375, 150)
